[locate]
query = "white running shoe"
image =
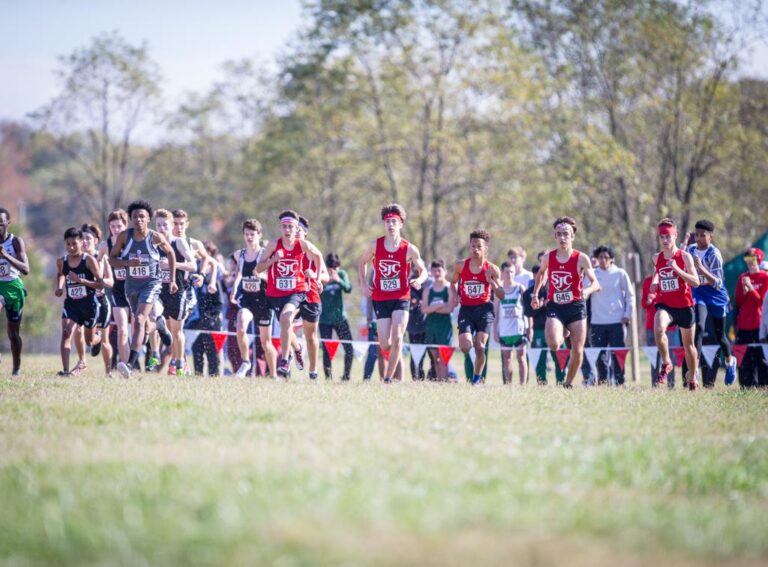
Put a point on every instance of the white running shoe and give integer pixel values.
(124, 370)
(243, 370)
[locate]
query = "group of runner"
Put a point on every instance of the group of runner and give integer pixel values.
(140, 280)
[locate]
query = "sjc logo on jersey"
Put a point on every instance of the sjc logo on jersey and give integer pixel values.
(286, 268)
(389, 268)
(562, 280)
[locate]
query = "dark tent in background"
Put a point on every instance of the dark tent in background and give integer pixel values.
(735, 267)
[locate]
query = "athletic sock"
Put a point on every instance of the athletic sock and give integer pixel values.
(134, 356)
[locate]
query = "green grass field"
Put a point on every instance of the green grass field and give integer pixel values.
(166, 471)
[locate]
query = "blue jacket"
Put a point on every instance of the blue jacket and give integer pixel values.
(715, 294)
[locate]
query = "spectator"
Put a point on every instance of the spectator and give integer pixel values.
(611, 311)
(516, 256)
(417, 331)
(750, 292)
(437, 303)
(209, 307)
(334, 317)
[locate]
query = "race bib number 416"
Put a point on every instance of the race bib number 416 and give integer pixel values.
(138, 271)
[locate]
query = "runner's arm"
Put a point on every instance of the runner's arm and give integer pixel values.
(59, 282)
(106, 272)
(162, 243)
(362, 269)
(415, 257)
(594, 285)
(189, 264)
(268, 257)
(495, 281)
(114, 257)
(21, 262)
(538, 281)
(457, 266)
(689, 275)
(95, 268)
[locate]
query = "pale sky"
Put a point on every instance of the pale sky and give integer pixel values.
(189, 39)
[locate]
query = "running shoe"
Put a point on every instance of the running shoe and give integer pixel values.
(124, 370)
(81, 365)
(284, 368)
(153, 364)
(730, 371)
(242, 372)
(299, 359)
(666, 368)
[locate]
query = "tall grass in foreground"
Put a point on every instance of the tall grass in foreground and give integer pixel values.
(225, 471)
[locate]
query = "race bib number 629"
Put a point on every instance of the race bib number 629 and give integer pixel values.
(390, 284)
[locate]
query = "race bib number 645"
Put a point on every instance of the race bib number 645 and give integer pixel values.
(563, 296)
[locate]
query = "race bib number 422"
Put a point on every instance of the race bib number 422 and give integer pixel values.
(76, 291)
(392, 284)
(563, 296)
(285, 284)
(119, 273)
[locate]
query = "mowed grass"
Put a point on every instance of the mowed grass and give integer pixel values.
(167, 471)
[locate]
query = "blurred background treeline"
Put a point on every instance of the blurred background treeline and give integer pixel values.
(500, 114)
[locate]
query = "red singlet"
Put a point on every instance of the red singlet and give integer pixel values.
(673, 291)
(286, 276)
(474, 289)
(391, 272)
(313, 289)
(564, 279)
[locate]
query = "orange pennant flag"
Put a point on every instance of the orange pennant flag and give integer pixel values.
(739, 351)
(331, 347)
(446, 352)
(562, 357)
(219, 339)
(679, 354)
(621, 357)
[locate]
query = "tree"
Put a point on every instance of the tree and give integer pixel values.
(109, 92)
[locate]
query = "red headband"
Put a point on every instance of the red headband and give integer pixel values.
(392, 216)
(667, 230)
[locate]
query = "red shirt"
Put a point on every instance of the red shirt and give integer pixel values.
(313, 289)
(751, 304)
(286, 276)
(391, 272)
(673, 291)
(474, 289)
(564, 281)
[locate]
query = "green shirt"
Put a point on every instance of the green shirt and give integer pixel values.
(333, 303)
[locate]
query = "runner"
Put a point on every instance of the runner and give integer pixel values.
(248, 293)
(711, 298)
(13, 263)
(81, 281)
(476, 278)
(509, 328)
(91, 242)
(311, 308)
(121, 313)
(564, 269)
(137, 250)
(173, 305)
(675, 276)
(333, 316)
(392, 257)
(286, 280)
(437, 304)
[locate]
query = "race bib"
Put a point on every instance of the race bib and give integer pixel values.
(509, 311)
(285, 284)
(563, 296)
(437, 301)
(119, 273)
(76, 291)
(138, 271)
(251, 286)
(165, 276)
(474, 289)
(5, 270)
(670, 284)
(392, 284)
